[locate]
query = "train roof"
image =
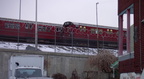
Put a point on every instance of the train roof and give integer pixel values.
(54, 24)
(93, 25)
(100, 26)
(26, 21)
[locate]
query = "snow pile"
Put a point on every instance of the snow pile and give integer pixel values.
(52, 48)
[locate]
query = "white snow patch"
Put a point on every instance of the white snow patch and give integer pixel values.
(52, 48)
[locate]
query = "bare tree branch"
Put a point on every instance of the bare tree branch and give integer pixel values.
(103, 60)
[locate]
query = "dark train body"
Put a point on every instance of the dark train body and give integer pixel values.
(69, 34)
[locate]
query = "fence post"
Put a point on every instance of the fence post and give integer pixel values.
(55, 40)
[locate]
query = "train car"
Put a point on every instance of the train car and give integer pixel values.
(68, 34)
(24, 31)
(89, 35)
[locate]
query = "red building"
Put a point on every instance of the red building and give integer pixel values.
(132, 62)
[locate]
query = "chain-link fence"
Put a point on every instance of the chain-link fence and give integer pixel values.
(21, 36)
(60, 38)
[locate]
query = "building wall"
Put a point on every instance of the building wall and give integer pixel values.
(126, 65)
(123, 4)
(138, 32)
(139, 44)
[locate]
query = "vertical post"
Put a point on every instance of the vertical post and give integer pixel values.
(72, 39)
(36, 29)
(128, 31)
(20, 10)
(97, 31)
(97, 24)
(19, 26)
(88, 42)
(113, 72)
(120, 35)
(103, 41)
(55, 40)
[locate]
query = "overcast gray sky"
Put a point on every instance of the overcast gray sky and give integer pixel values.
(59, 11)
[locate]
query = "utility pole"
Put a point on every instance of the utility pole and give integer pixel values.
(97, 25)
(20, 10)
(36, 29)
(18, 27)
(97, 33)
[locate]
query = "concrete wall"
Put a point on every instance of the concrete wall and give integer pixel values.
(54, 63)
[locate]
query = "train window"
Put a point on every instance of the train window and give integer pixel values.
(100, 31)
(30, 26)
(17, 26)
(26, 26)
(49, 29)
(58, 29)
(83, 28)
(6, 25)
(44, 28)
(40, 28)
(92, 31)
(96, 31)
(109, 31)
(67, 29)
(12, 25)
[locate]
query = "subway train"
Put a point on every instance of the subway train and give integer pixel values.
(67, 34)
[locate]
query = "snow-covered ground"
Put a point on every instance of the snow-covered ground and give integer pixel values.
(52, 48)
